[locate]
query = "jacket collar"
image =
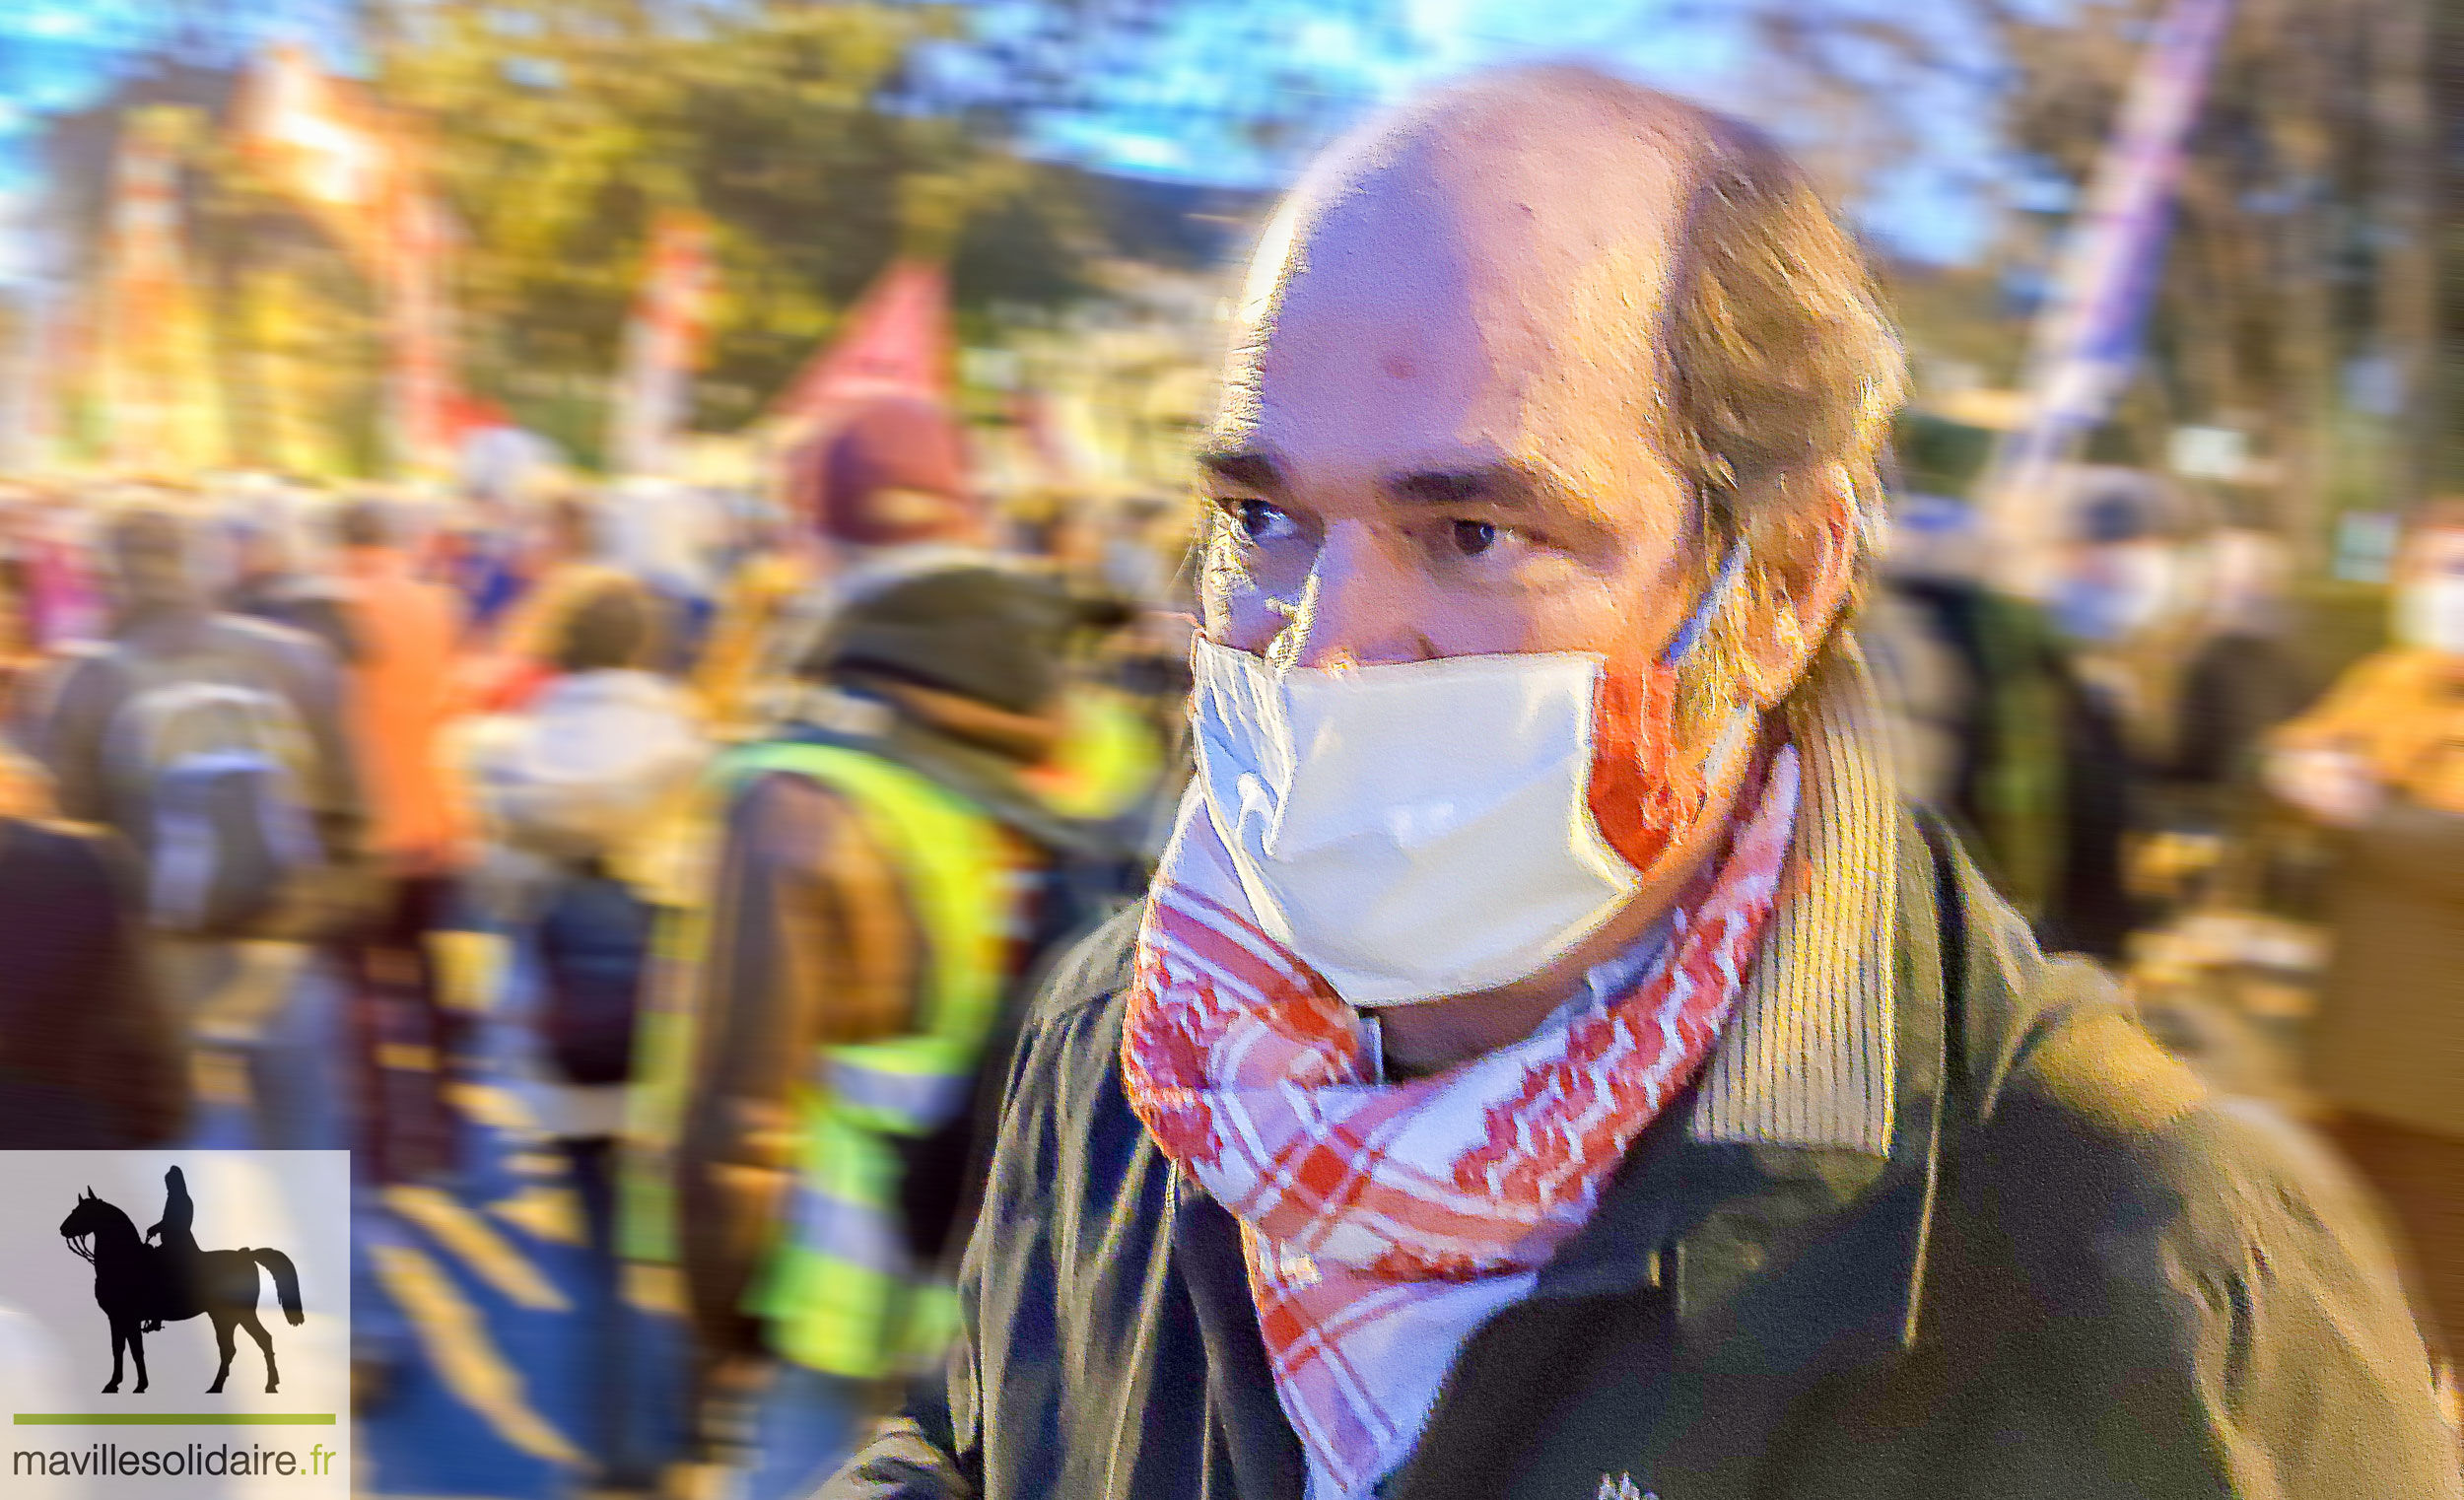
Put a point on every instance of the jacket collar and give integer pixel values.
(1809, 1058)
(1699, 1217)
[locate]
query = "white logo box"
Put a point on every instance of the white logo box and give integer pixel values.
(67, 1439)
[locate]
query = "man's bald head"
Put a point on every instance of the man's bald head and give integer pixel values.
(1540, 266)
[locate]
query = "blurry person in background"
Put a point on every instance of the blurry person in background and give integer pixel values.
(478, 555)
(63, 599)
(1140, 563)
(581, 790)
(882, 491)
(2380, 759)
(778, 563)
(568, 563)
(2239, 682)
(1990, 728)
(89, 1056)
(588, 774)
(401, 699)
(885, 486)
(2128, 602)
(269, 583)
(21, 646)
(219, 741)
(875, 865)
(1549, 1063)
(665, 535)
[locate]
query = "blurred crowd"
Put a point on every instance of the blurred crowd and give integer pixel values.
(777, 807)
(727, 779)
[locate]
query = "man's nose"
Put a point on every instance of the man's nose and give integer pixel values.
(1360, 606)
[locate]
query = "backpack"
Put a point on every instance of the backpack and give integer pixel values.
(594, 947)
(211, 773)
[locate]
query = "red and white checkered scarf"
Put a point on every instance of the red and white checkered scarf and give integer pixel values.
(1384, 1223)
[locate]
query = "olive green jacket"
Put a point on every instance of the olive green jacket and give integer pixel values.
(2071, 1275)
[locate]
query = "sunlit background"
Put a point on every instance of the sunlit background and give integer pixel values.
(1092, 165)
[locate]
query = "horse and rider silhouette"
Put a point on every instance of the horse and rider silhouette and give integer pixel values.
(142, 1287)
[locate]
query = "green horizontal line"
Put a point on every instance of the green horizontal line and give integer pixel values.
(175, 1419)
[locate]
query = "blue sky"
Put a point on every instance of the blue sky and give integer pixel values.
(58, 56)
(1155, 108)
(1150, 114)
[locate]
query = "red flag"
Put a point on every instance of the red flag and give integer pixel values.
(896, 342)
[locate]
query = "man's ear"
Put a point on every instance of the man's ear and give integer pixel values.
(1801, 558)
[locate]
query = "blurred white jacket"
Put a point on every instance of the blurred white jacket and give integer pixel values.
(594, 768)
(600, 766)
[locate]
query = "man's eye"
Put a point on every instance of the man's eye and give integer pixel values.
(1474, 537)
(1257, 519)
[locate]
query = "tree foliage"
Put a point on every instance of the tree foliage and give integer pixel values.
(2297, 298)
(558, 129)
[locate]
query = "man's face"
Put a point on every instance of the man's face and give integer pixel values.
(1438, 440)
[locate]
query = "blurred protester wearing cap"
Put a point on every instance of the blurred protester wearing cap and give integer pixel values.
(402, 698)
(874, 855)
(2381, 760)
(880, 491)
(889, 474)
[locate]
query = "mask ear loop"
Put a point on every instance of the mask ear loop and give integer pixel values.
(1731, 568)
(1734, 736)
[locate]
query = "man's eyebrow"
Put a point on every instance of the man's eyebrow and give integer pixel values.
(1513, 486)
(1507, 485)
(1493, 484)
(1246, 468)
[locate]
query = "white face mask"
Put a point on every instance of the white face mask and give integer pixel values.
(2429, 615)
(1418, 830)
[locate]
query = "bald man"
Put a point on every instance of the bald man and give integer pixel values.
(1548, 1065)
